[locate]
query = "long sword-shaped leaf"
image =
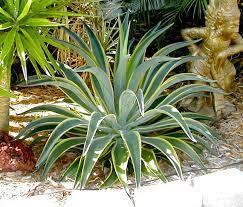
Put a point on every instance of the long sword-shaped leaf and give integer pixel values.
(8, 43)
(95, 121)
(5, 26)
(192, 124)
(126, 103)
(48, 127)
(71, 90)
(120, 157)
(55, 13)
(32, 41)
(78, 172)
(120, 77)
(203, 129)
(21, 54)
(158, 126)
(187, 149)
(58, 132)
(59, 150)
(121, 57)
(172, 81)
(98, 51)
(173, 47)
(40, 122)
(71, 169)
(169, 111)
(39, 22)
(6, 14)
(186, 91)
(25, 10)
(95, 150)
(201, 140)
(103, 87)
(77, 39)
(141, 105)
(138, 74)
(132, 141)
(74, 77)
(111, 179)
(161, 74)
(197, 116)
(87, 56)
(167, 149)
(151, 164)
(140, 49)
(52, 108)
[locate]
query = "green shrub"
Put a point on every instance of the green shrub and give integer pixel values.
(24, 27)
(124, 120)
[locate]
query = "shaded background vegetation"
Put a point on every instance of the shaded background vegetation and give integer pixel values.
(144, 14)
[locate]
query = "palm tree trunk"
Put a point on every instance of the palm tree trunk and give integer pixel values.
(4, 113)
(5, 101)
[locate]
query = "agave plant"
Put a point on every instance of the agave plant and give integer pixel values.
(128, 119)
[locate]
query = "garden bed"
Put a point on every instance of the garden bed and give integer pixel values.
(228, 152)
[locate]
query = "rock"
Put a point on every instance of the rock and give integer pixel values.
(173, 194)
(221, 189)
(15, 155)
(103, 198)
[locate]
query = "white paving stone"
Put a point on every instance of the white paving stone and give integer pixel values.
(103, 198)
(221, 189)
(35, 201)
(173, 194)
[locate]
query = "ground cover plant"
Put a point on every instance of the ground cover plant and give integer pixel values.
(128, 120)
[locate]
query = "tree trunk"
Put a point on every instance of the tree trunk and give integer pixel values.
(5, 101)
(4, 113)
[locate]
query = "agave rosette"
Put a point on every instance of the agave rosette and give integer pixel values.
(127, 119)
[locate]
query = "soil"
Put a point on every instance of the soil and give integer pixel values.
(228, 152)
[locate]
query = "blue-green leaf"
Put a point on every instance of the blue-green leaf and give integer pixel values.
(95, 150)
(167, 149)
(150, 162)
(120, 157)
(132, 141)
(59, 150)
(57, 133)
(43, 121)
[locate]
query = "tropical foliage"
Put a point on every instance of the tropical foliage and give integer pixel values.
(23, 29)
(128, 120)
(87, 7)
(171, 9)
(4, 92)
